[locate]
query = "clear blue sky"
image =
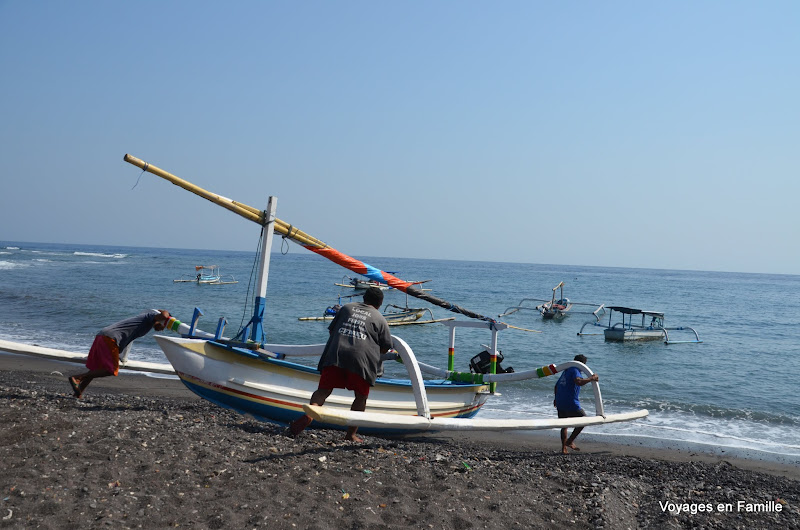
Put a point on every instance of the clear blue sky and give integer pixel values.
(634, 134)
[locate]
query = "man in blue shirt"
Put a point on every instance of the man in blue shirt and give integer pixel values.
(567, 400)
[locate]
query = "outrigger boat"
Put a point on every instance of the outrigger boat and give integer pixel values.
(651, 327)
(362, 285)
(395, 315)
(256, 378)
(359, 284)
(208, 275)
(553, 309)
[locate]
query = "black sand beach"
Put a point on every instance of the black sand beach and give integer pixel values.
(143, 452)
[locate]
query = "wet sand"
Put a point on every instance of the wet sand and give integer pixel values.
(144, 452)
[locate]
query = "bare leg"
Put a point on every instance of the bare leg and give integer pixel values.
(359, 404)
(317, 398)
(571, 440)
(80, 382)
(564, 441)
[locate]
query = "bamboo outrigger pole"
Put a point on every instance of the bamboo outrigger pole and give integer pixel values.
(311, 243)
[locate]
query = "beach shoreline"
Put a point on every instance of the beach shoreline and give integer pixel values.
(141, 451)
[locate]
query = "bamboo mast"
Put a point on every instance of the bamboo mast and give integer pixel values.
(248, 212)
(311, 243)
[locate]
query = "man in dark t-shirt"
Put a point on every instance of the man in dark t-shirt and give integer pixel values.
(359, 335)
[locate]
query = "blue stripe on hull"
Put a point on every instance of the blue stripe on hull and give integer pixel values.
(272, 414)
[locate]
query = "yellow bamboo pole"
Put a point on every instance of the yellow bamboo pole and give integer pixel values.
(248, 212)
(225, 202)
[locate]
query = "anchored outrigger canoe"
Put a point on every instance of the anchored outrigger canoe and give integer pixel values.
(395, 315)
(651, 327)
(553, 309)
(259, 379)
(206, 275)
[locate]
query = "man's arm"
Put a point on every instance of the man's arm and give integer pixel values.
(580, 381)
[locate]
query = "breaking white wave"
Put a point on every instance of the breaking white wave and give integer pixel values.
(100, 255)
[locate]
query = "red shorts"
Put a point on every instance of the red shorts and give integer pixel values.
(104, 355)
(335, 377)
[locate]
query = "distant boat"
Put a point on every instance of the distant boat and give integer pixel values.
(206, 274)
(553, 309)
(360, 284)
(395, 315)
(651, 327)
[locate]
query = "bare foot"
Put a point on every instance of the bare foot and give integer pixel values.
(76, 387)
(573, 446)
(298, 425)
(354, 438)
(564, 450)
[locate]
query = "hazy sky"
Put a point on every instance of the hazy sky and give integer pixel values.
(633, 134)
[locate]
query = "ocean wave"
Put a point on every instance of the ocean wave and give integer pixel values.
(11, 248)
(735, 440)
(735, 430)
(6, 265)
(100, 255)
(712, 412)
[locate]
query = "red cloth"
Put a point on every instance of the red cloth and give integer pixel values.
(104, 355)
(335, 377)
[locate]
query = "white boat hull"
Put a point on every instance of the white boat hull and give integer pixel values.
(276, 390)
(617, 334)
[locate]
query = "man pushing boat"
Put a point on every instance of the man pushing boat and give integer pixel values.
(567, 400)
(359, 334)
(113, 343)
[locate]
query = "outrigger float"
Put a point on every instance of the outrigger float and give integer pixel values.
(651, 327)
(553, 309)
(256, 378)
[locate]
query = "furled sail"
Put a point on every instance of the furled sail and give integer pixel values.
(313, 244)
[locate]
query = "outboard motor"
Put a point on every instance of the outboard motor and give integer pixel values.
(481, 363)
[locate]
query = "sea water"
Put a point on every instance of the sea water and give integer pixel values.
(737, 391)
